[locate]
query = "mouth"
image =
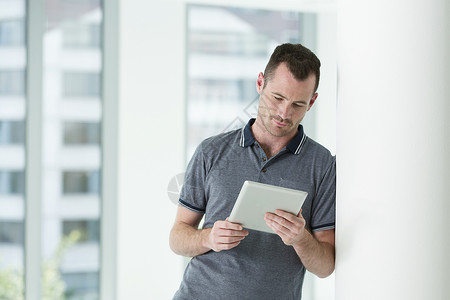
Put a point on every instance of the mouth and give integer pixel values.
(280, 124)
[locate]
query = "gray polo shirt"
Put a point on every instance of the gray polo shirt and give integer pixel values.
(261, 266)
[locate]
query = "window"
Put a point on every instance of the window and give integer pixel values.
(89, 230)
(12, 82)
(243, 44)
(13, 68)
(12, 132)
(82, 284)
(12, 32)
(79, 35)
(81, 84)
(75, 182)
(11, 232)
(79, 2)
(227, 47)
(78, 133)
(12, 182)
(72, 74)
(64, 61)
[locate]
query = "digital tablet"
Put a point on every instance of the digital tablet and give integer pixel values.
(255, 199)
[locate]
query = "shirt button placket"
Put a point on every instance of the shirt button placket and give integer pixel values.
(263, 159)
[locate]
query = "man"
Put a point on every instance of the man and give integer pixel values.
(230, 262)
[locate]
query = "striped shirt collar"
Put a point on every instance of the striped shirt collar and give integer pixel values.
(295, 145)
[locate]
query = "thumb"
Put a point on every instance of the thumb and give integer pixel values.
(300, 214)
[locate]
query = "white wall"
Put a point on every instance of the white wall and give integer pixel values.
(151, 120)
(393, 233)
(325, 106)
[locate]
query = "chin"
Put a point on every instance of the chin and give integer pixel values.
(278, 132)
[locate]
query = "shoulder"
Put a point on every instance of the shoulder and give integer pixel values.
(318, 153)
(216, 148)
(219, 142)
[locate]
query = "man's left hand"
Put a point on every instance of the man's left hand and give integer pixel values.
(289, 227)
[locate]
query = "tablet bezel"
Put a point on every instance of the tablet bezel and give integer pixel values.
(255, 199)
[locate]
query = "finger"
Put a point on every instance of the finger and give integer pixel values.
(286, 215)
(229, 225)
(229, 232)
(229, 239)
(281, 219)
(278, 228)
(296, 220)
(226, 243)
(282, 226)
(228, 246)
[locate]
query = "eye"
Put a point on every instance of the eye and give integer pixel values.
(299, 105)
(278, 98)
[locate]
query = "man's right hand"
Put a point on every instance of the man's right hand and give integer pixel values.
(187, 240)
(224, 235)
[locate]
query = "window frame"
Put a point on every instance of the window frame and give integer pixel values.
(35, 29)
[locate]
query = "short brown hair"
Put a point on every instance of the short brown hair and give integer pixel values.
(300, 61)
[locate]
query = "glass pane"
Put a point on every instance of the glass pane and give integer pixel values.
(12, 30)
(71, 149)
(81, 182)
(85, 282)
(76, 133)
(77, 35)
(227, 48)
(12, 132)
(12, 82)
(12, 137)
(81, 84)
(12, 183)
(11, 232)
(88, 229)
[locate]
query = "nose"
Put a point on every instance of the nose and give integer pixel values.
(284, 110)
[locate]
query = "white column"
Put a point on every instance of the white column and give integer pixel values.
(393, 150)
(151, 141)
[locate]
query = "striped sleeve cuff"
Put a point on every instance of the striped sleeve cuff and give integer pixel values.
(191, 207)
(323, 227)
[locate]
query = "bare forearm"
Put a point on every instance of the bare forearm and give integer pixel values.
(188, 241)
(317, 257)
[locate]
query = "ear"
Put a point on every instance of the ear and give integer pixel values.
(313, 99)
(260, 83)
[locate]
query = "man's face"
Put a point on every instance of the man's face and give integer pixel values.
(284, 101)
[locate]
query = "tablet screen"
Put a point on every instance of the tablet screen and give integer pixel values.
(255, 199)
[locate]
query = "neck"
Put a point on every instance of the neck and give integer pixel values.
(270, 144)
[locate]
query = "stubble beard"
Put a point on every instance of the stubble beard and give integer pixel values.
(272, 128)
